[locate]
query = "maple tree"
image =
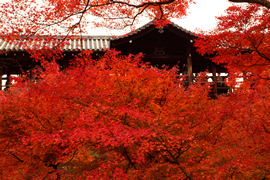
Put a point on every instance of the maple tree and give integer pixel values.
(113, 118)
(120, 118)
(241, 42)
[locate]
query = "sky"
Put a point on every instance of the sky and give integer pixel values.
(202, 14)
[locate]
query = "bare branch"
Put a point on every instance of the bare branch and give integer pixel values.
(130, 161)
(144, 4)
(16, 157)
(175, 160)
(257, 46)
(264, 3)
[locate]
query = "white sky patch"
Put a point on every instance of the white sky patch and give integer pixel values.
(202, 14)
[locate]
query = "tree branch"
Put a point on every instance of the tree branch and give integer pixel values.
(16, 157)
(264, 3)
(144, 4)
(175, 160)
(130, 161)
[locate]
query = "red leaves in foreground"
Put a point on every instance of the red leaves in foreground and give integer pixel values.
(119, 118)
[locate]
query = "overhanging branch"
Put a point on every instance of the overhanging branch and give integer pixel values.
(264, 3)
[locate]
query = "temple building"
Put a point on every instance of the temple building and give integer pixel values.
(169, 45)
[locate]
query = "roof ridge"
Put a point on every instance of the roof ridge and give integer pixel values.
(149, 24)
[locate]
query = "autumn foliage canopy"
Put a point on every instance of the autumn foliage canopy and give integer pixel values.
(121, 118)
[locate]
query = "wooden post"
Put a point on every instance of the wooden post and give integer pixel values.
(189, 64)
(230, 87)
(8, 82)
(1, 79)
(65, 63)
(129, 47)
(32, 75)
(214, 72)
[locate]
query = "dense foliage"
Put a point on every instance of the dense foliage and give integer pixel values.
(120, 118)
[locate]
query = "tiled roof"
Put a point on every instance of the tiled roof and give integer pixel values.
(89, 43)
(150, 24)
(181, 28)
(95, 43)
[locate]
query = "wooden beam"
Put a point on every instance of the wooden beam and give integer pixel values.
(189, 65)
(165, 57)
(214, 72)
(145, 45)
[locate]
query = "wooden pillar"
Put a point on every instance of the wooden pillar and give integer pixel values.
(8, 82)
(129, 47)
(65, 61)
(1, 79)
(189, 64)
(32, 75)
(214, 72)
(230, 87)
